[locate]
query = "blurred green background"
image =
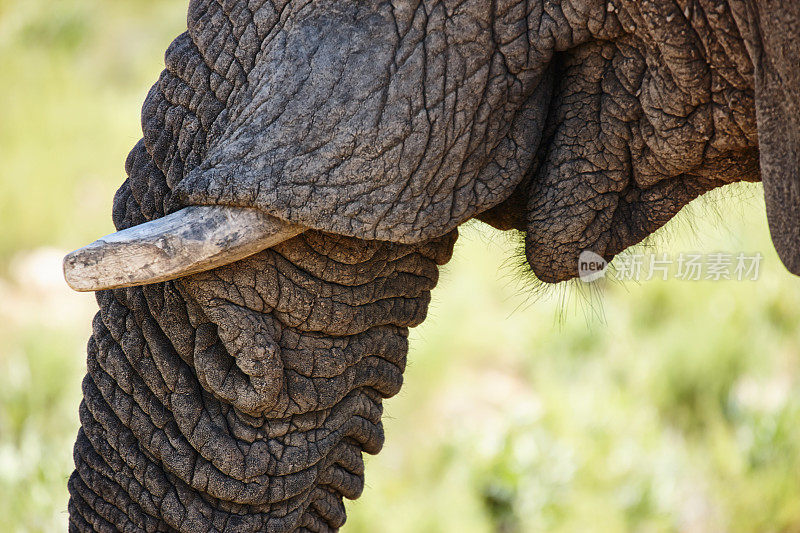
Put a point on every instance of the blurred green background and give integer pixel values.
(657, 406)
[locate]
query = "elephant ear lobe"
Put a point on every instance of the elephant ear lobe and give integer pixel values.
(777, 73)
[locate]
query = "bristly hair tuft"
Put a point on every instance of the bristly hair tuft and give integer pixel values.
(579, 297)
(572, 297)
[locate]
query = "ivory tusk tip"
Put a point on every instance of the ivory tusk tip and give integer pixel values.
(75, 265)
(192, 240)
(74, 282)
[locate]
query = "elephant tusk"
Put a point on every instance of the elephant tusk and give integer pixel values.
(192, 240)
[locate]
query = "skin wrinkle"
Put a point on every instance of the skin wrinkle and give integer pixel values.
(242, 399)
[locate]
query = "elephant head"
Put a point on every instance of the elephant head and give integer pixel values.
(303, 170)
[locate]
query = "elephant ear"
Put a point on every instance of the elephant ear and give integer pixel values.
(777, 75)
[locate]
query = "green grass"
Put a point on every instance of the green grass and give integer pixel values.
(74, 76)
(659, 406)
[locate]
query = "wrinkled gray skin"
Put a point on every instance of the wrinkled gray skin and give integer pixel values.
(241, 399)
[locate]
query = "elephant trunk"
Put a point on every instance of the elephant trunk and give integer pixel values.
(241, 399)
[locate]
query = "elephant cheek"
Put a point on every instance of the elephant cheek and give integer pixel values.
(637, 130)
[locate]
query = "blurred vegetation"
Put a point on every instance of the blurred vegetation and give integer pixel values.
(74, 76)
(659, 406)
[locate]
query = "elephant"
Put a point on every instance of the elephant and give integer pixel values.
(323, 154)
